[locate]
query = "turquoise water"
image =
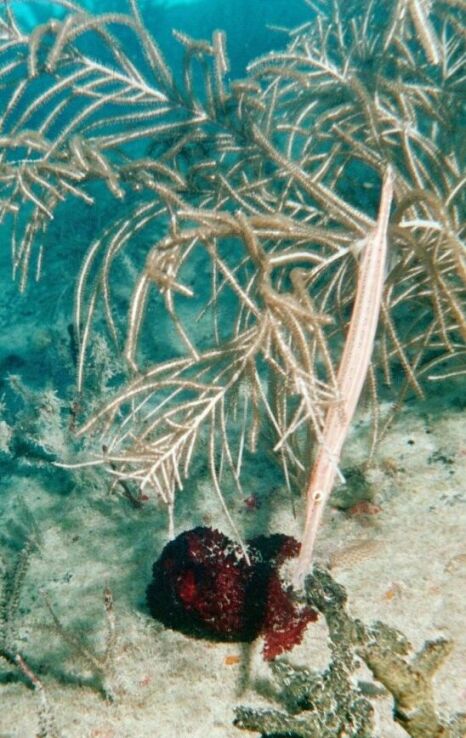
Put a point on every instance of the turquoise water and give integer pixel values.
(248, 33)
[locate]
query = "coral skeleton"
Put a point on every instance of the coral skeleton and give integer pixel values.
(328, 703)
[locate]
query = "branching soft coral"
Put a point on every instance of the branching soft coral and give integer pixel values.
(248, 203)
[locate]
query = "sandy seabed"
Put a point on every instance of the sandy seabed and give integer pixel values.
(405, 566)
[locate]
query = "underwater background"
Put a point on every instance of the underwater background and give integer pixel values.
(67, 539)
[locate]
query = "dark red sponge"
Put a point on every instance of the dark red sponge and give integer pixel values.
(203, 586)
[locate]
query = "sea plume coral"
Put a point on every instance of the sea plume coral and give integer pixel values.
(249, 204)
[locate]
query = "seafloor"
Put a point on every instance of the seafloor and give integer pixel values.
(405, 565)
